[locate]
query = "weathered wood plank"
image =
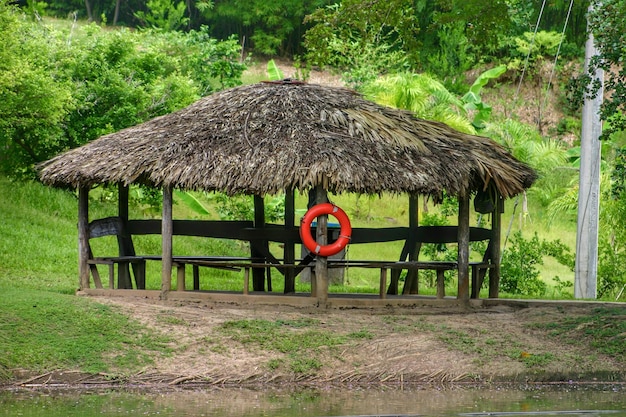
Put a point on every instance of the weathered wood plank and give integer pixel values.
(463, 250)
(496, 227)
(167, 227)
(83, 237)
(289, 251)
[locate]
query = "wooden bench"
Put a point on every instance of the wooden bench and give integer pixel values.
(439, 266)
(123, 231)
(127, 260)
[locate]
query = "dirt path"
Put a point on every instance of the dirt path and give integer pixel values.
(226, 344)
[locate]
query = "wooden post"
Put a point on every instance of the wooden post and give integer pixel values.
(258, 274)
(167, 229)
(496, 231)
(180, 277)
(122, 202)
(289, 253)
(83, 237)
(409, 249)
(463, 255)
(412, 275)
(383, 283)
(321, 262)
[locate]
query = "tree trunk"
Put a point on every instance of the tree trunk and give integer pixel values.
(117, 12)
(89, 12)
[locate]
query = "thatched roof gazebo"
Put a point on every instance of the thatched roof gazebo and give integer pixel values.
(275, 137)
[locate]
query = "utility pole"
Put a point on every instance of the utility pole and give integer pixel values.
(585, 284)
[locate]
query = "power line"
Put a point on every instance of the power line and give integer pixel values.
(530, 48)
(556, 58)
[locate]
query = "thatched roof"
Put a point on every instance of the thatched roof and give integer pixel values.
(269, 137)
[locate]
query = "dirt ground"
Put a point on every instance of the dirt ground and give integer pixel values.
(379, 346)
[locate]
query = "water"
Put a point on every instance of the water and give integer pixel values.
(602, 401)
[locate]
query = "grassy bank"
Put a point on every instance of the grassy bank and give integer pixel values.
(41, 331)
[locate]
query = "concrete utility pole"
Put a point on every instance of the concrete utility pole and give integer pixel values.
(585, 285)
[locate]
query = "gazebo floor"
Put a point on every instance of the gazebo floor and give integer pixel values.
(334, 301)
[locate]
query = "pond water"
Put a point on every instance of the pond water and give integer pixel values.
(536, 401)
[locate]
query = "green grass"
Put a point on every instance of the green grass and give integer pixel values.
(604, 329)
(303, 342)
(42, 331)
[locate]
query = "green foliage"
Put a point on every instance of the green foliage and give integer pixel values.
(362, 40)
(539, 45)
(421, 94)
(241, 207)
(472, 100)
(274, 73)
(274, 27)
(612, 245)
(520, 273)
(608, 27)
(483, 22)
(163, 14)
(548, 157)
(62, 87)
(34, 96)
(521, 261)
(190, 200)
(452, 56)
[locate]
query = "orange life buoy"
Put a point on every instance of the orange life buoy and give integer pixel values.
(344, 232)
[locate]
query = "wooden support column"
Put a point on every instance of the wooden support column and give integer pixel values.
(124, 243)
(122, 202)
(496, 231)
(256, 247)
(412, 275)
(83, 237)
(321, 262)
(290, 246)
(408, 250)
(463, 255)
(167, 229)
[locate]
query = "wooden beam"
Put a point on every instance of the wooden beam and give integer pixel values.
(289, 250)
(256, 246)
(166, 241)
(409, 243)
(412, 275)
(122, 201)
(463, 256)
(496, 230)
(83, 237)
(321, 262)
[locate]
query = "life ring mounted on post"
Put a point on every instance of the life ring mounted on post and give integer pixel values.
(345, 232)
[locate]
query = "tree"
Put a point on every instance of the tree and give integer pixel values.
(363, 37)
(608, 26)
(34, 97)
(60, 88)
(273, 27)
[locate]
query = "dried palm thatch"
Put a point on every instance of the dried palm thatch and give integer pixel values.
(268, 137)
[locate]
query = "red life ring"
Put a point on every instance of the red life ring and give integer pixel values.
(344, 232)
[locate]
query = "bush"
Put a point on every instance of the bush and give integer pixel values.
(519, 268)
